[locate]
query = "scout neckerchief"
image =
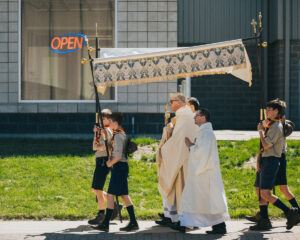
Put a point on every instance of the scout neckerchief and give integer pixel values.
(113, 138)
(97, 140)
(269, 124)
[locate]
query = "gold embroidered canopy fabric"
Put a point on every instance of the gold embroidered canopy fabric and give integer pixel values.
(221, 58)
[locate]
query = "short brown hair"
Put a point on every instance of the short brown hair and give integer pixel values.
(204, 112)
(279, 105)
(117, 117)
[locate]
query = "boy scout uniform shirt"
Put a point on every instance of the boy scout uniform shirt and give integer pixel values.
(275, 140)
(119, 147)
(102, 142)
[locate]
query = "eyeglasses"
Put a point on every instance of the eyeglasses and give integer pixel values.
(171, 101)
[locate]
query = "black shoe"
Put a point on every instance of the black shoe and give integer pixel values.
(263, 224)
(102, 227)
(218, 229)
(176, 226)
(98, 219)
(116, 211)
(131, 226)
(164, 222)
(161, 215)
(254, 218)
(292, 217)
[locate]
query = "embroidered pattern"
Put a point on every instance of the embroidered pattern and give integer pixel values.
(172, 64)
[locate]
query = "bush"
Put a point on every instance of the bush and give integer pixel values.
(144, 141)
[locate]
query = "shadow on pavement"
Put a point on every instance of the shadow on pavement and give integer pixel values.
(152, 233)
(121, 236)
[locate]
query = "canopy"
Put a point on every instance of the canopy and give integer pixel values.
(125, 66)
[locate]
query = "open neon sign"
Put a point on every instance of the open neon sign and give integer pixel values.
(67, 43)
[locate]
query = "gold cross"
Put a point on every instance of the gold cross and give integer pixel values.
(254, 23)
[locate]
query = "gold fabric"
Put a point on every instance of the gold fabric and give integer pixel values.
(221, 58)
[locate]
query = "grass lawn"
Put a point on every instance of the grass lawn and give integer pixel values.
(52, 178)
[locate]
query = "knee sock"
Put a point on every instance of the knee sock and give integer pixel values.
(264, 211)
(108, 214)
(130, 211)
(281, 205)
(294, 203)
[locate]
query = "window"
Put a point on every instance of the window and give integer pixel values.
(51, 76)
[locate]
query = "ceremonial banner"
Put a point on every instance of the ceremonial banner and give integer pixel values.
(219, 58)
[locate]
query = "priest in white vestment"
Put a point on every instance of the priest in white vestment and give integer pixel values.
(203, 201)
(173, 158)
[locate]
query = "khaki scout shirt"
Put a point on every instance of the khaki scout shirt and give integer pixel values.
(275, 139)
(119, 147)
(101, 142)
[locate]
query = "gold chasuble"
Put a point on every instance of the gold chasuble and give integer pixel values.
(175, 154)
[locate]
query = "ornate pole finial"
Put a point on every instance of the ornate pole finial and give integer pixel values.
(260, 22)
(254, 24)
(90, 49)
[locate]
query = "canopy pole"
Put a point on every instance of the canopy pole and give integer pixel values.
(99, 118)
(98, 110)
(98, 105)
(259, 45)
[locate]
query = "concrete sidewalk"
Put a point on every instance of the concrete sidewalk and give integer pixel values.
(246, 135)
(220, 135)
(68, 230)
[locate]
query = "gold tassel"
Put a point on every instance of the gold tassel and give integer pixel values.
(101, 89)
